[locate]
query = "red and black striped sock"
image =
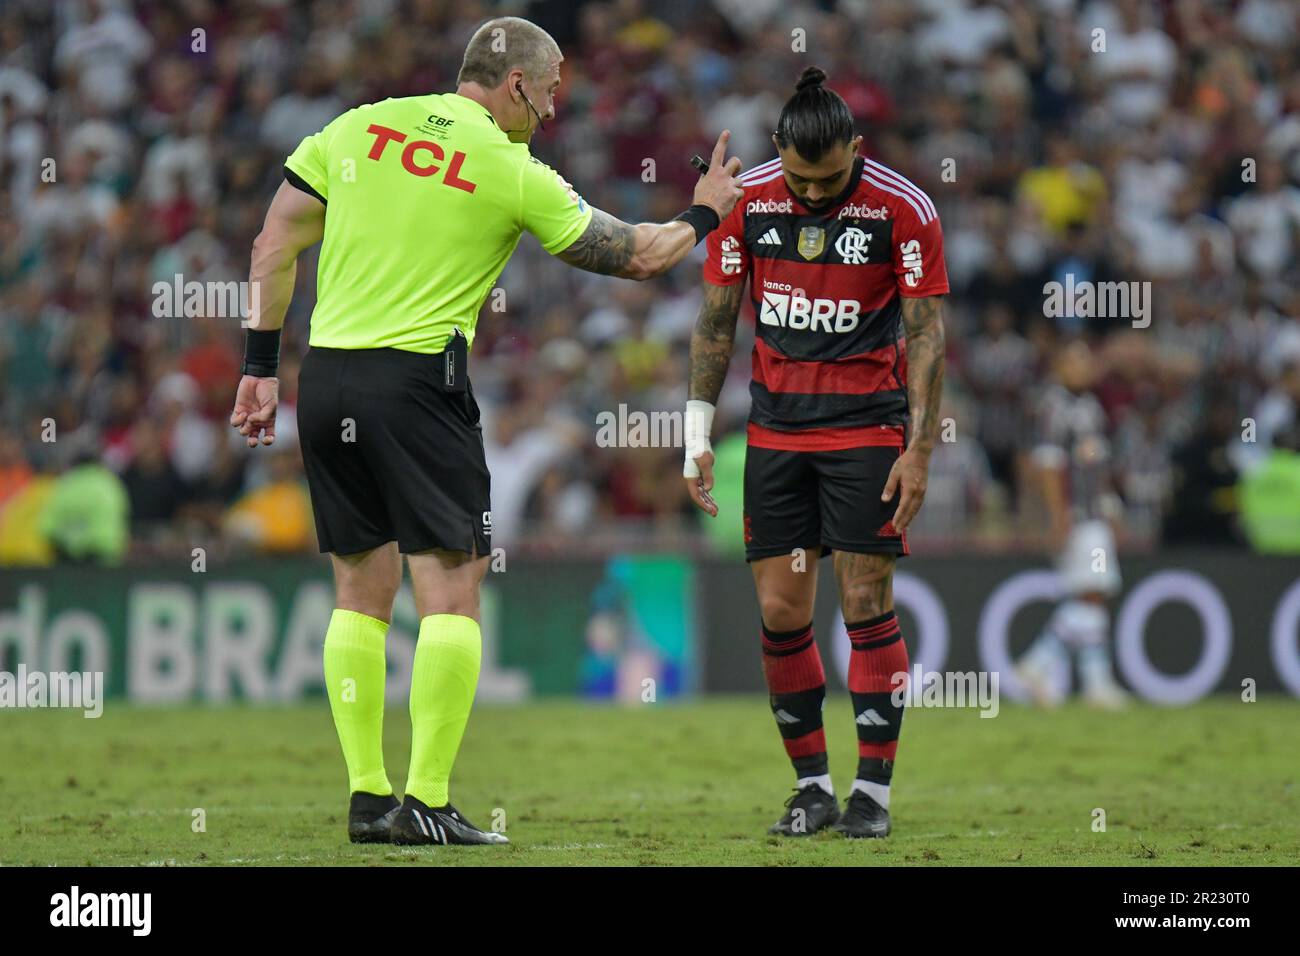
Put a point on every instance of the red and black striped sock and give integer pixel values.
(878, 654)
(796, 684)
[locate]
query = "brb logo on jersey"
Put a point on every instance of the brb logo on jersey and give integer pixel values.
(794, 310)
(911, 253)
(852, 246)
(730, 256)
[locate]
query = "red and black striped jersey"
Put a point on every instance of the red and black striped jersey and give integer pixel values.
(829, 362)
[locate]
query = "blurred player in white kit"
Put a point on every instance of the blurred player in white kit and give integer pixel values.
(1072, 457)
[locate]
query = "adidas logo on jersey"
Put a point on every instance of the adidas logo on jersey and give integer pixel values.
(869, 718)
(769, 238)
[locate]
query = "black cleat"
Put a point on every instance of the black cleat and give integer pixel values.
(419, 825)
(370, 817)
(863, 818)
(807, 811)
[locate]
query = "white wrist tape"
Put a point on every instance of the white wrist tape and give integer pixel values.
(698, 425)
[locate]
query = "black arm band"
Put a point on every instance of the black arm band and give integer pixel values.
(702, 218)
(262, 353)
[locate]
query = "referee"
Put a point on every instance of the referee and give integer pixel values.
(419, 202)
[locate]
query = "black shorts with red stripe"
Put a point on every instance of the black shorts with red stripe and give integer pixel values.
(820, 499)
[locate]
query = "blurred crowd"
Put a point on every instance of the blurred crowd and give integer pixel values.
(1112, 141)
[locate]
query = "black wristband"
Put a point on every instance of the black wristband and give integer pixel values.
(262, 353)
(703, 219)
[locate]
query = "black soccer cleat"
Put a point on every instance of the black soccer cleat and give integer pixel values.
(420, 825)
(370, 817)
(863, 818)
(807, 811)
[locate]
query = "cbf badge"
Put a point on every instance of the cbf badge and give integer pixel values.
(812, 240)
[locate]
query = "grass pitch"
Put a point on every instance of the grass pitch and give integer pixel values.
(676, 784)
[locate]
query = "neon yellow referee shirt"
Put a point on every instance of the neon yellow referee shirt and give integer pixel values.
(426, 200)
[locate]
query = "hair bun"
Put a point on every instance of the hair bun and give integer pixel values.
(812, 76)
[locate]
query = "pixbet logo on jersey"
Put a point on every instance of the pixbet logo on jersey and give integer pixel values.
(797, 311)
(769, 205)
(856, 211)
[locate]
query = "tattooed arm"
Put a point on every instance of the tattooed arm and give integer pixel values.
(713, 339)
(644, 251)
(923, 323)
(615, 248)
(711, 344)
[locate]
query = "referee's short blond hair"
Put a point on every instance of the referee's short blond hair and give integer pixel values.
(501, 45)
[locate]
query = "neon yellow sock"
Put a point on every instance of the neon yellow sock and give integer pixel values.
(443, 679)
(354, 680)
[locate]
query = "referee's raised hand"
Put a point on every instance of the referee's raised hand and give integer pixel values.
(719, 188)
(255, 404)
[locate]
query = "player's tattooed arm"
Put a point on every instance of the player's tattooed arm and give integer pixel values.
(713, 339)
(923, 323)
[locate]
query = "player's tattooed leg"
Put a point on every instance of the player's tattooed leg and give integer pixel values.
(866, 584)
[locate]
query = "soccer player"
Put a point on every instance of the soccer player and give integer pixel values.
(1072, 460)
(844, 259)
(420, 201)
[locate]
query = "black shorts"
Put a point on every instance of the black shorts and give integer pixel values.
(819, 501)
(392, 453)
